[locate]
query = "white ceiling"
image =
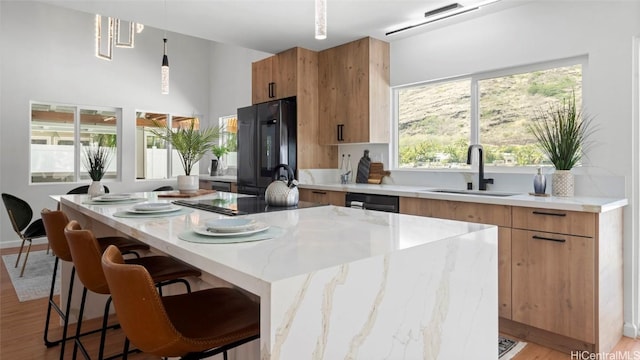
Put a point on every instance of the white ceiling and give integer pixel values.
(276, 25)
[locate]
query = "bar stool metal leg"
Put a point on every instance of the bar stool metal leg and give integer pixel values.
(63, 315)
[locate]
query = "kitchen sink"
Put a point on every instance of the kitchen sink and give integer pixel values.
(472, 192)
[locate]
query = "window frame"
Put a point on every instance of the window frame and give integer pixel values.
(77, 151)
(474, 131)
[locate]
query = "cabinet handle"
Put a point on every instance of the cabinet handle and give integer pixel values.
(340, 132)
(272, 90)
(319, 192)
(536, 237)
(547, 213)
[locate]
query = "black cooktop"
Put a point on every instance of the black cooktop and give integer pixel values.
(241, 205)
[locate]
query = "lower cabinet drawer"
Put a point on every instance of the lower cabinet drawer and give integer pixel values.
(555, 221)
(553, 283)
(322, 196)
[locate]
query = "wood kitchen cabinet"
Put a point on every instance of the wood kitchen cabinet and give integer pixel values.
(499, 215)
(354, 92)
(559, 272)
(566, 278)
(274, 77)
(323, 196)
(295, 73)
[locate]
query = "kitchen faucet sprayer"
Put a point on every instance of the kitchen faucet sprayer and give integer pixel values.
(482, 182)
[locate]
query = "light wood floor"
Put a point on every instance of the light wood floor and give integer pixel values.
(22, 325)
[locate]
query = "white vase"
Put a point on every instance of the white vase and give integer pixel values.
(95, 189)
(188, 184)
(562, 183)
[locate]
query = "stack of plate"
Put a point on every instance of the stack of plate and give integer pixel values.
(231, 227)
(153, 208)
(113, 197)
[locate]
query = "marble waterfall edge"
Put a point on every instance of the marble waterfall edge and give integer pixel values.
(438, 301)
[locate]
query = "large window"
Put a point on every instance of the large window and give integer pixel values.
(437, 121)
(60, 132)
(154, 157)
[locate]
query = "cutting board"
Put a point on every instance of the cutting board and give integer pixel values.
(377, 172)
(177, 194)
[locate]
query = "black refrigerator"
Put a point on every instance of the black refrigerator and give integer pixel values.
(266, 138)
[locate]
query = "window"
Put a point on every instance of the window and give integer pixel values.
(433, 124)
(437, 121)
(55, 129)
(229, 138)
(152, 153)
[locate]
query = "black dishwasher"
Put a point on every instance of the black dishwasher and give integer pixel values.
(386, 203)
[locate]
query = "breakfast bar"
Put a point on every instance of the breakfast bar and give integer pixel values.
(336, 282)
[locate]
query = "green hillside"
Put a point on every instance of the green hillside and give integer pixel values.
(434, 119)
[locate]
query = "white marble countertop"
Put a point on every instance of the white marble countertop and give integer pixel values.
(313, 238)
(576, 203)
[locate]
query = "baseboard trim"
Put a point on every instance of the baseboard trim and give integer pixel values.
(542, 337)
(16, 243)
(630, 330)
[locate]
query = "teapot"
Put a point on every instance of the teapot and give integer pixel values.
(282, 192)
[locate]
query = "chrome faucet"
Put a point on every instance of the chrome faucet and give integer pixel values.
(482, 182)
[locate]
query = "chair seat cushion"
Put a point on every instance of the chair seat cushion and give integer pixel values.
(213, 317)
(35, 230)
(122, 243)
(163, 268)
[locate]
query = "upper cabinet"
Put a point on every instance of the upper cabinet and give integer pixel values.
(294, 72)
(274, 77)
(354, 93)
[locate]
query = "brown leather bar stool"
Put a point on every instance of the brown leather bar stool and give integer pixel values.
(192, 326)
(54, 223)
(86, 254)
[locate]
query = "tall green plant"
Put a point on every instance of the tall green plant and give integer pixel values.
(563, 133)
(96, 159)
(190, 142)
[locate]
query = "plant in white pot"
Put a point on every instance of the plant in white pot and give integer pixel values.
(563, 133)
(191, 144)
(217, 167)
(96, 160)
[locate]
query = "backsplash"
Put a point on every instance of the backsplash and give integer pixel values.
(585, 184)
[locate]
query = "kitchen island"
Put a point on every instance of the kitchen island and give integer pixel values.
(343, 283)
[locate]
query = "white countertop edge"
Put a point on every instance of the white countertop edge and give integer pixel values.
(576, 203)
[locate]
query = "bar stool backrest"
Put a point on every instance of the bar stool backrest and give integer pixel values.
(139, 307)
(86, 254)
(54, 223)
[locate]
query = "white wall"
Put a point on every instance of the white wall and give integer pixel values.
(542, 31)
(48, 55)
(230, 78)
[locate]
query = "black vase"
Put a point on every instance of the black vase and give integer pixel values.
(214, 167)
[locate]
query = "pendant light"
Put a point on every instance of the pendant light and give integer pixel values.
(321, 19)
(165, 70)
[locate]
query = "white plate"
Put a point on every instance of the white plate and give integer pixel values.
(231, 225)
(113, 197)
(258, 226)
(158, 211)
(153, 206)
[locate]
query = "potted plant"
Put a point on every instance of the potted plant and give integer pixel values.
(563, 133)
(191, 145)
(216, 164)
(96, 160)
